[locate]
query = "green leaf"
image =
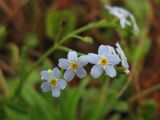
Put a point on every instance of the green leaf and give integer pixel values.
(115, 117)
(70, 100)
(118, 83)
(121, 106)
(141, 51)
(23, 62)
(148, 109)
(2, 34)
(45, 108)
(54, 19)
(106, 102)
(31, 40)
(88, 103)
(13, 114)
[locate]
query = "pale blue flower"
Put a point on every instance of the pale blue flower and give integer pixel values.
(52, 81)
(104, 61)
(123, 57)
(123, 16)
(73, 65)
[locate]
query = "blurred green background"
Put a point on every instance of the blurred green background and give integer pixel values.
(29, 28)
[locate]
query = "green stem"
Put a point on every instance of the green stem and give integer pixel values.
(59, 34)
(145, 93)
(100, 24)
(65, 49)
(124, 88)
(24, 78)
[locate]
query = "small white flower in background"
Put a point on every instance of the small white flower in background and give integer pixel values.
(104, 61)
(73, 65)
(123, 16)
(52, 81)
(123, 58)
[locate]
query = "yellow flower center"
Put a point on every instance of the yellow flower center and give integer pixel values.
(73, 65)
(53, 82)
(103, 61)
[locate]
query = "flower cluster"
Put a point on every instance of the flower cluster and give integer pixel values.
(105, 61)
(123, 15)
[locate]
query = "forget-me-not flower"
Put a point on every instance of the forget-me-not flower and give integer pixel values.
(73, 65)
(104, 61)
(123, 16)
(123, 57)
(52, 81)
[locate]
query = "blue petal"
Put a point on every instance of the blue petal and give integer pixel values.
(82, 60)
(69, 74)
(55, 92)
(72, 55)
(103, 50)
(63, 63)
(56, 73)
(96, 71)
(45, 75)
(92, 58)
(110, 71)
(81, 72)
(125, 63)
(114, 60)
(62, 83)
(45, 86)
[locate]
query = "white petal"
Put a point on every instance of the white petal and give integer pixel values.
(120, 51)
(45, 86)
(69, 74)
(72, 55)
(125, 63)
(123, 23)
(81, 72)
(62, 84)
(96, 71)
(122, 55)
(63, 63)
(111, 50)
(56, 73)
(82, 60)
(45, 75)
(114, 59)
(103, 50)
(92, 58)
(55, 92)
(110, 71)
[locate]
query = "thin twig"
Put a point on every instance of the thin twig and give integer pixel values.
(144, 93)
